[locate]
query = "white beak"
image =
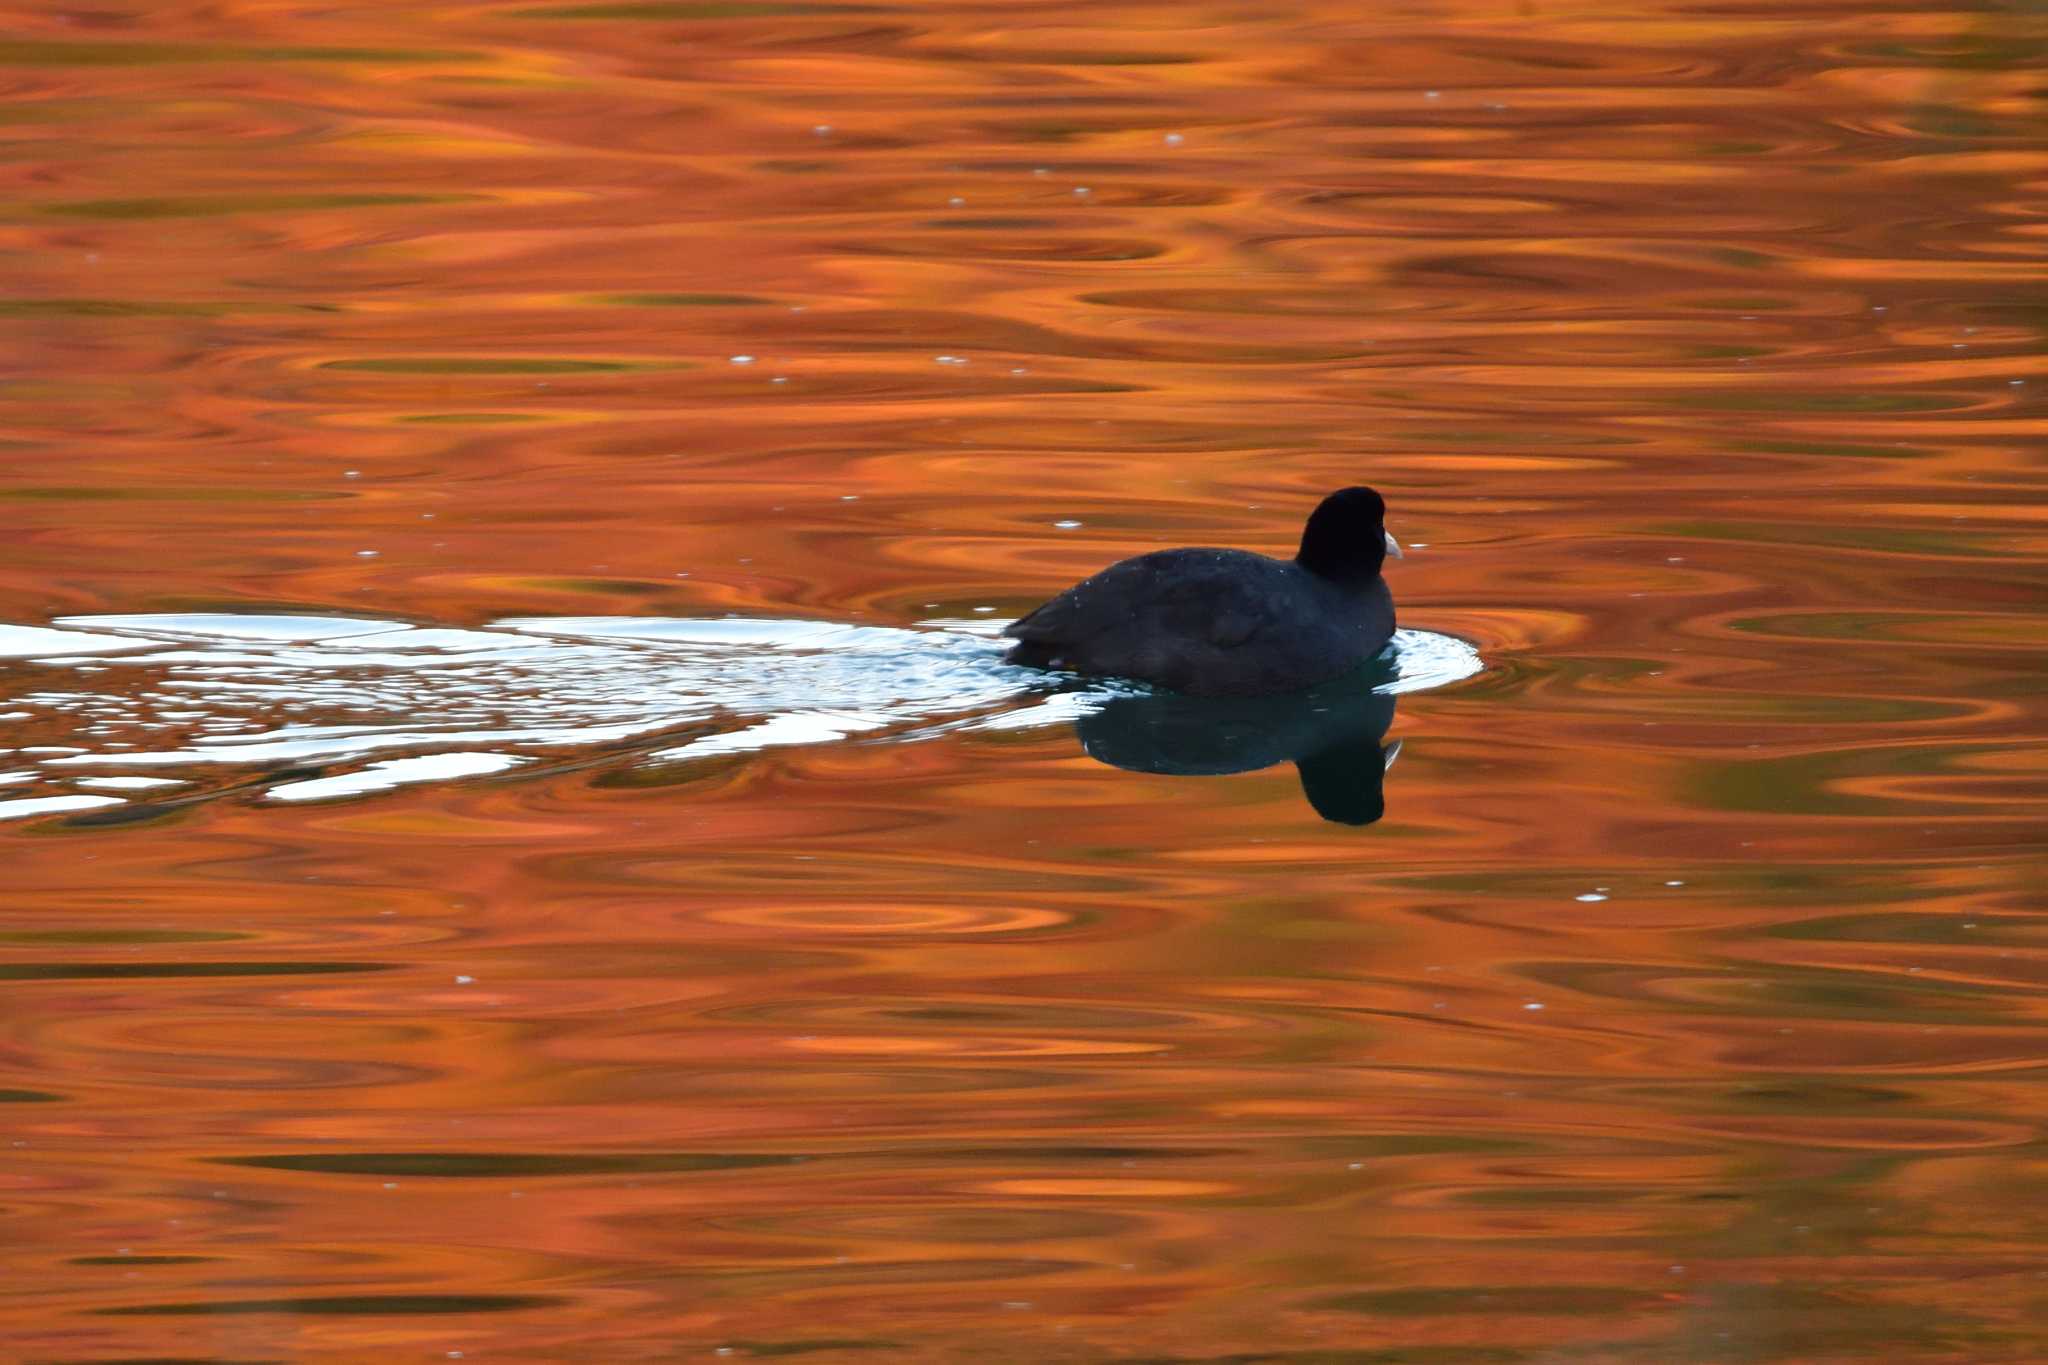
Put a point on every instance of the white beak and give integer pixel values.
(1393, 752)
(1393, 545)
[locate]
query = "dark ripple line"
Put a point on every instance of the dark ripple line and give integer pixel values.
(342, 1305)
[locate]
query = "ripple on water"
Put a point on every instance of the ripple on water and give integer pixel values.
(312, 708)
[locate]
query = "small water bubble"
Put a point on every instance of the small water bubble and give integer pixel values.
(1590, 896)
(351, 473)
(780, 379)
(1067, 525)
(1674, 883)
(956, 201)
(465, 980)
(1082, 190)
(1174, 139)
(1533, 1005)
(366, 554)
(1021, 370)
(849, 497)
(822, 129)
(1432, 94)
(950, 359)
(1041, 170)
(743, 360)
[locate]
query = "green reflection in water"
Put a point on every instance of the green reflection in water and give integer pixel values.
(217, 205)
(1784, 885)
(472, 1165)
(1830, 448)
(135, 308)
(1367, 1145)
(1507, 439)
(1753, 401)
(1963, 51)
(1809, 784)
(122, 936)
(1745, 989)
(1813, 1095)
(340, 1305)
(1883, 540)
(92, 971)
(1790, 1321)
(215, 493)
(1970, 930)
(1900, 627)
(489, 365)
(55, 53)
(1534, 1299)
(1945, 120)
(1395, 1355)
(799, 1348)
(677, 300)
(689, 9)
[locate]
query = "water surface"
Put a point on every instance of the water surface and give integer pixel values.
(1683, 1004)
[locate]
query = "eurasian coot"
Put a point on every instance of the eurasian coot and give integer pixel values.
(1229, 623)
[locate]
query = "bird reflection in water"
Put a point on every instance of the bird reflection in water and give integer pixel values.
(1332, 734)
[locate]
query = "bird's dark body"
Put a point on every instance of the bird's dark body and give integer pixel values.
(1211, 623)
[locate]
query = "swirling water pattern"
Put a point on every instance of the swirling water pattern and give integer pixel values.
(1685, 1004)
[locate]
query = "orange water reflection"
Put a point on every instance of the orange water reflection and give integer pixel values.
(1686, 1003)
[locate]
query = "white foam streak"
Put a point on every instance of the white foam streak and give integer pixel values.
(229, 697)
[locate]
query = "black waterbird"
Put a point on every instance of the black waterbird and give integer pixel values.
(1229, 623)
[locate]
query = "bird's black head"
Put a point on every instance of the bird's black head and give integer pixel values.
(1346, 537)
